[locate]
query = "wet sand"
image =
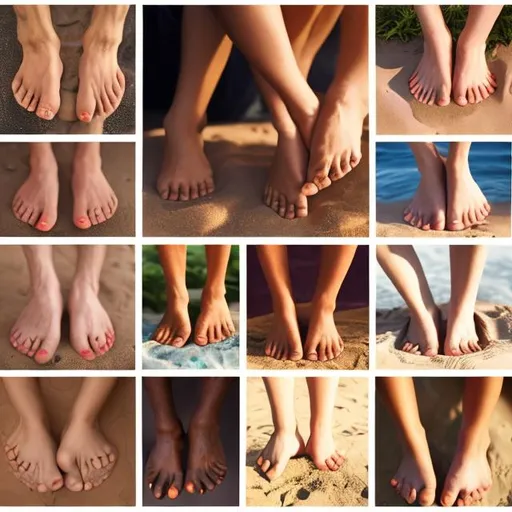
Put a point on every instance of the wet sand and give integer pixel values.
(117, 294)
(302, 484)
(117, 422)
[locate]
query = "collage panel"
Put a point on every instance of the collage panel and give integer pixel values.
(307, 442)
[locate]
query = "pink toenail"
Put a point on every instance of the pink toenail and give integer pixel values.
(85, 116)
(85, 353)
(42, 352)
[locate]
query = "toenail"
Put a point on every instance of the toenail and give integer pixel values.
(85, 116)
(85, 353)
(82, 220)
(42, 352)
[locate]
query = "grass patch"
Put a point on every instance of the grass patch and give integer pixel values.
(401, 23)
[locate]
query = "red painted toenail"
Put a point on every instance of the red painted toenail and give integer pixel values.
(85, 353)
(85, 116)
(42, 352)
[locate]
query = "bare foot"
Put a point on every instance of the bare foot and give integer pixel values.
(286, 177)
(473, 82)
(423, 334)
(461, 337)
(36, 332)
(94, 200)
(30, 452)
(431, 82)
(467, 206)
(36, 200)
(469, 477)
(281, 447)
(323, 342)
(85, 456)
(415, 478)
(427, 210)
(174, 328)
(186, 173)
(322, 450)
(164, 472)
(214, 323)
(283, 341)
(206, 467)
(91, 331)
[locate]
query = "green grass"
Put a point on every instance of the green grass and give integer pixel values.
(401, 23)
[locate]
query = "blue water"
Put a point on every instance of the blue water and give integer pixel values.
(398, 176)
(495, 286)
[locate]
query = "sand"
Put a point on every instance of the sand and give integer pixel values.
(497, 343)
(399, 113)
(390, 223)
(440, 409)
(117, 421)
(118, 166)
(240, 155)
(117, 294)
(302, 484)
(352, 326)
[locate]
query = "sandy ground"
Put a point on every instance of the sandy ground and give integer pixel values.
(240, 155)
(117, 294)
(117, 421)
(399, 113)
(390, 223)
(302, 484)
(118, 163)
(439, 401)
(496, 342)
(352, 326)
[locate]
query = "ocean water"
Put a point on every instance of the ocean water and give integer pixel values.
(398, 176)
(495, 286)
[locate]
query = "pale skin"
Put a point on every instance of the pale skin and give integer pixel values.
(84, 459)
(473, 82)
(286, 441)
(206, 462)
(447, 197)
(214, 323)
(37, 331)
(469, 476)
(323, 341)
(425, 334)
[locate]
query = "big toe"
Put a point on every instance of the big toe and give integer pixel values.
(46, 221)
(426, 497)
(48, 106)
(275, 471)
(85, 104)
(46, 351)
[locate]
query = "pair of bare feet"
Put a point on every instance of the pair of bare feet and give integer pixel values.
(37, 331)
(83, 460)
(447, 197)
(206, 463)
(468, 479)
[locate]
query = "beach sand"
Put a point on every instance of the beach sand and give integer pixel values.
(117, 294)
(118, 162)
(117, 421)
(390, 223)
(399, 113)
(240, 155)
(439, 401)
(496, 344)
(302, 484)
(352, 326)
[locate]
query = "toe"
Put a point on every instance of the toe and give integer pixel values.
(85, 104)
(426, 497)
(46, 351)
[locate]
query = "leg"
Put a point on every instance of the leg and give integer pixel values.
(415, 478)
(286, 441)
(91, 331)
(205, 48)
(174, 328)
(432, 81)
(164, 472)
(323, 341)
(84, 455)
(467, 206)
(283, 341)
(427, 210)
(469, 477)
(94, 200)
(35, 201)
(214, 323)
(36, 85)
(320, 447)
(206, 465)
(30, 449)
(473, 82)
(101, 81)
(467, 264)
(36, 332)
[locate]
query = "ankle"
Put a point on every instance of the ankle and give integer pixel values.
(469, 41)
(37, 38)
(320, 428)
(415, 440)
(213, 292)
(169, 428)
(204, 420)
(473, 438)
(45, 282)
(284, 306)
(103, 36)
(183, 122)
(85, 158)
(177, 297)
(436, 35)
(287, 430)
(324, 303)
(34, 424)
(84, 282)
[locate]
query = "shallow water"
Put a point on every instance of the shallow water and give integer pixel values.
(495, 286)
(398, 176)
